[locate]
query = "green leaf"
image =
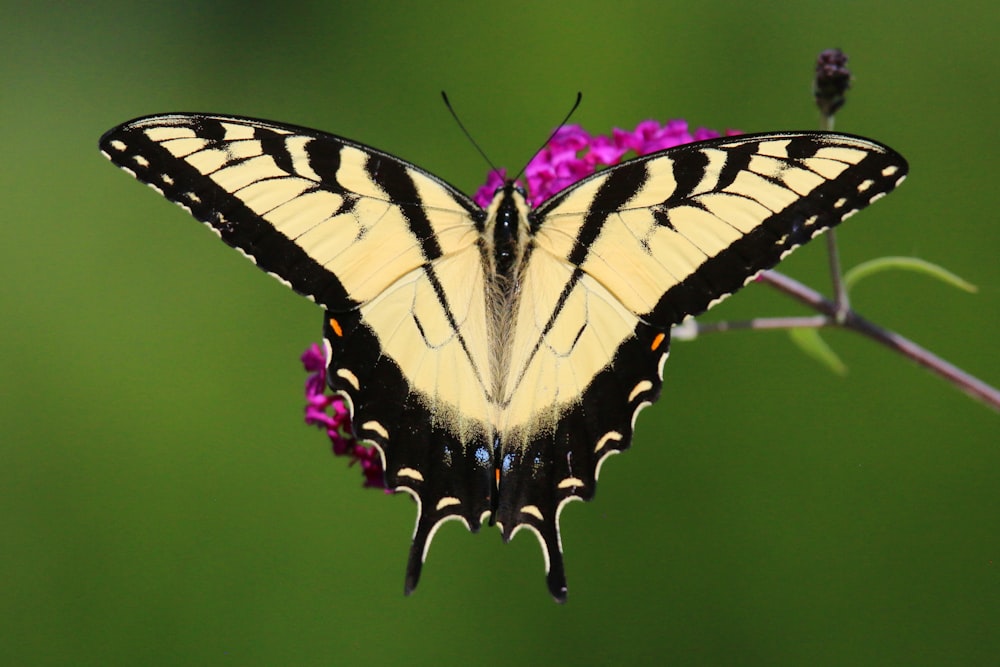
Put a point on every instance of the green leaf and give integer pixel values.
(810, 342)
(878, 264)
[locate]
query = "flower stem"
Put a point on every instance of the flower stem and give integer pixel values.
(841, 301)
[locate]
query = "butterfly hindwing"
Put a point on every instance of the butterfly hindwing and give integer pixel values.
(562, 463)
(450, 479)
(495, 383)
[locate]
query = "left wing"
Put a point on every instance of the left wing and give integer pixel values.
(372, 239)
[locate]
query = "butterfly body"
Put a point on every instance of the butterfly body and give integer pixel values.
(497, 357)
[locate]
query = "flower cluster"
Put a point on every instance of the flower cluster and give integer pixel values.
(573, 153)
(329, 412)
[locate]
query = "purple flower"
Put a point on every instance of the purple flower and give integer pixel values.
(606, 150)
(573, 154)
(494, 181)
(328, 411)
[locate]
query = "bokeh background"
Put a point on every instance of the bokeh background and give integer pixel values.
(161, 502)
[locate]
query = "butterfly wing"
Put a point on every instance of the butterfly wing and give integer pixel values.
(618, 259)
(374, 240)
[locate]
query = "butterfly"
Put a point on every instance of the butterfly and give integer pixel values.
(497, 356)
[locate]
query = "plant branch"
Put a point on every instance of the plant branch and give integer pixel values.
(852, 321)
(829, 86)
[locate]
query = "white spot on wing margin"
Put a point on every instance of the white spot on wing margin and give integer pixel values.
(411, 473)
(448, 501)
(659, 367)
(640, 387)
(533, 511)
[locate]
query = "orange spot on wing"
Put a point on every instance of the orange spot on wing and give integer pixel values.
(335, 325)
(497, 475)
(657, 341)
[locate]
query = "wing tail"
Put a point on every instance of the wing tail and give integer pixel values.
(448, 477)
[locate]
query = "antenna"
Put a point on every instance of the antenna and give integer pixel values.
(579, 98)
(447, 103)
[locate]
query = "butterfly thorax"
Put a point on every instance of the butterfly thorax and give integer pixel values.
(506, 232)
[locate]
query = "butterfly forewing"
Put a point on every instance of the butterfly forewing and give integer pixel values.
(672, 233)
(305, 205)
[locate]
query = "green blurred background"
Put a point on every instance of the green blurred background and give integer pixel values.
(161, 502)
